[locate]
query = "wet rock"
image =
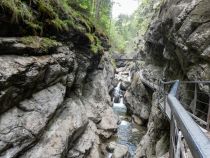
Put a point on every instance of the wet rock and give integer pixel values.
(137, 120)
(125, 85)
(134, 130)
(115, 82)
(110, 147)
(120, 64)
(22, 126)
(109, 120)
(121, 69)
(118, 150)
(116, 99)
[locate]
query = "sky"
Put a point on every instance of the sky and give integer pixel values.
(124, 7)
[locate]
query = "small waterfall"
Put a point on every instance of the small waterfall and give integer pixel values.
(117, 89)
(129, 76)
(121, 100)
(128, 134)
(117, 93)
(110, 155)
(118, 98)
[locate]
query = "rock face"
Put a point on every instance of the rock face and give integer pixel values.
(21, 76)
(137, 98)
(54, 101)
(118, 150)
(176, 47)
(21, 126)
(54, 82)
(60, 136)
(155, 143)
(180, 37)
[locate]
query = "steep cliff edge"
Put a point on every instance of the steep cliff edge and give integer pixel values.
(54, 82)
(176, 47)
(179, 35)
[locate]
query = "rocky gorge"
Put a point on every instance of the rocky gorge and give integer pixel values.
(62, 95)
(54, 93)
(175, 46)
(51, 107)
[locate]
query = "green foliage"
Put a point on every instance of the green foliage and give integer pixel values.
(61, 16)
(95, 43)
(18, 10)
(58, 13)
(113, 62)
(126, 28)
(99, 12)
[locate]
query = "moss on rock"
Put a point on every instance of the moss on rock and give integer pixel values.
(42, 43)
(49, 18)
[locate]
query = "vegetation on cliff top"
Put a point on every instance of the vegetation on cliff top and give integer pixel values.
(126, 27)
(68, 19)
(55, 17)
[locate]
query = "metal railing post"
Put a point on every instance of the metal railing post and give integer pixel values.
(208, 116)
(159, 93)
(165, 98)
(181, 123)
(172, 136)
(178, 146)
(195, 99)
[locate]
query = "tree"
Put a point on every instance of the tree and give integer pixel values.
(99, 11)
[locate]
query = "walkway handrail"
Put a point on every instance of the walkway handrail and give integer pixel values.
(197, 141)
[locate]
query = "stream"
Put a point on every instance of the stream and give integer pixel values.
(128, 133)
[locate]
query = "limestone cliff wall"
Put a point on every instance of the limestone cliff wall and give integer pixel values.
(178, 39)
(55, 104)
(176, 47)
(54, 82)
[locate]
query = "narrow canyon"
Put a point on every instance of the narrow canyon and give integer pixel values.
(67, 90)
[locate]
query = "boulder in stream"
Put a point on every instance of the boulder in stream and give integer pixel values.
(118, 150)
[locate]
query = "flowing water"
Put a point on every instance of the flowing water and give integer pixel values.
(128, 133)
(118, 90)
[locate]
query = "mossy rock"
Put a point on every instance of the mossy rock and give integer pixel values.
(31, 45)
(37, 42)
(49, 18)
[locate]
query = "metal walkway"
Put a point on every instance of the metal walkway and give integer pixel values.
(186, 127)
